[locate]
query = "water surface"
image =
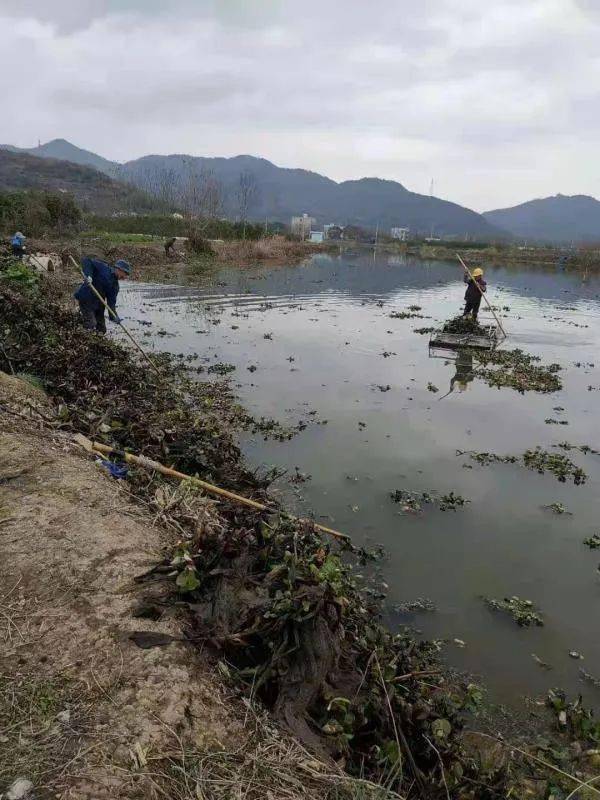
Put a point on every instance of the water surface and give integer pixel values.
(317, 334)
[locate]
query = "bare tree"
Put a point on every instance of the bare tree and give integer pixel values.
(202, 194)
(247, 192)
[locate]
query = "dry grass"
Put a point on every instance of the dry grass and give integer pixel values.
(272, 249)
(268, 766)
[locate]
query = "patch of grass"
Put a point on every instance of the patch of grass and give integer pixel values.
(34, 741)
(116, 237)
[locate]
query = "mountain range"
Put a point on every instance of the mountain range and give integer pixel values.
(278, 193)
(558, 220)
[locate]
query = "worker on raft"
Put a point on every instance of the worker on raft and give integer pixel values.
(170, 247)
(475, 287)
(18, 245)
(104, 278)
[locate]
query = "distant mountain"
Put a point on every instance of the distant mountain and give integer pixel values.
(65, 151)
(280, 193)
(557, 220)
(93, 190)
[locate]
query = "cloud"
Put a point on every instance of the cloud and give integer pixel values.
(496, 101)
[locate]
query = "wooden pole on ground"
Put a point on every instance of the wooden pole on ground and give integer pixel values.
(482, 294)
(149, 463)
(117, 320)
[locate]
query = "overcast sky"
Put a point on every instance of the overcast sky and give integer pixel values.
(497, 101)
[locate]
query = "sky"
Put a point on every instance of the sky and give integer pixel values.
(497, 102)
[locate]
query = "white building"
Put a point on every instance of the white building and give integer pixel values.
(316, 237)
(301, 226)
(400, 233)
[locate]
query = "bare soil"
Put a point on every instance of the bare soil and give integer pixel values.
(83, 710)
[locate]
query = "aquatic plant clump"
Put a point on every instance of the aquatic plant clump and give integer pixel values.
(522, 611)
(517, 370)
(466, 325)
(593, 542)
(561, 466)
(414, 501)
(537, 459)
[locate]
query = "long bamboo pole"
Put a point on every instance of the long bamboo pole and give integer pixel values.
(118, 321)
(150, 464)
(482, 294)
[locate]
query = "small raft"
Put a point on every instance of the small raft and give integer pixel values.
(486, 338)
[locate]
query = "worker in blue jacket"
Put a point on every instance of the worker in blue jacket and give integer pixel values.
(105, 279)
(18, 245)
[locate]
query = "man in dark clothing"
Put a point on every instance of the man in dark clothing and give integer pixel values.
(170, 247)
(475, 287)
(105, 279)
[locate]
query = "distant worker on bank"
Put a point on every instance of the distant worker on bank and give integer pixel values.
(104, 278)
(18, 245)
(170, 247)
(475, 287)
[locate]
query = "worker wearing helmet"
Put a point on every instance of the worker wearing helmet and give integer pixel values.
(104, 278)
(475, 287)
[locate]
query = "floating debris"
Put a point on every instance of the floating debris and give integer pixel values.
(541, 663)
(574, 654)
(583, 448)
(551, 421)
(558, 508)
(432, 387)
(537, 459)
(413, 502)
(593, 542)
(405, 315)
(586, 676)
(516, 370)
(423, 331)
(522, 611)
(561, 466)
(221, 369)
(421, 604)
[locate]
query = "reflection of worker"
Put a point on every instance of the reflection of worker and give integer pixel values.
(170, 247)
(464, 371)
(475, 287)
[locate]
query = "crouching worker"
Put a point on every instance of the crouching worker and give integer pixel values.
(105, 280)
(170, 247)
(475, 287)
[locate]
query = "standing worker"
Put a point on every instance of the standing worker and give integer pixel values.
(18, 245)
(170, 247)
(105, 279)
(475, 288)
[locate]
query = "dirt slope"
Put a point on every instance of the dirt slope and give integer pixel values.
(83, 710)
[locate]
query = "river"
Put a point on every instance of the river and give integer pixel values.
(316, 335)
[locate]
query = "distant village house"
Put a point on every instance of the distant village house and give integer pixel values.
(401, 234)
(302, 226)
